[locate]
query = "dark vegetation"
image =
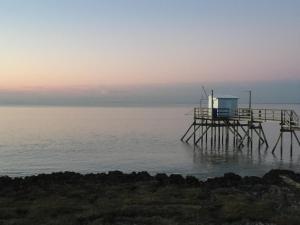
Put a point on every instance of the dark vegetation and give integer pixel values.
(138, 198)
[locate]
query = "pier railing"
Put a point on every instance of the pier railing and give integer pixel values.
(210, 113)
(287, 118)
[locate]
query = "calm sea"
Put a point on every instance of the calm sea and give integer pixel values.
(37, 140)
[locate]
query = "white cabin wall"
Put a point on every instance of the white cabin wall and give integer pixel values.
(223, 103)
(215, 103)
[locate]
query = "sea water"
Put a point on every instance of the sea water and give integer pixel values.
(37, 140)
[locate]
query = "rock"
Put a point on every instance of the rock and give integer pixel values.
(190, 180)
(228, 180)
(252, 180)
(162, 178)
(274, 176)
(115, 177)
(176, 179)
(143, 176)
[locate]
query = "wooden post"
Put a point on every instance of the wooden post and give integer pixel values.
(233, 133)
(202, 135)
(212, 118)
(248, 137)
(279, 137)
(227, 135)
(215, 134)
(223, 134)
(194, 131)
(295, 135)
(211, 134)
(291, 150)
(206, 132)
(202, 132)
(219, 127)
(264, 135)
(281, 141)
(182, 138)
(237, 130)
(259, 137)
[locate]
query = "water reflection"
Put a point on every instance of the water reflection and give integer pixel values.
(246, 161)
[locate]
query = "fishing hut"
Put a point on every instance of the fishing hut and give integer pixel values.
(223, 121)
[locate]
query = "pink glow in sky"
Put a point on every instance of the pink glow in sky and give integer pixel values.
(100, 43)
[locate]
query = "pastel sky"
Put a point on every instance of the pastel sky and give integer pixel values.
(63, 43)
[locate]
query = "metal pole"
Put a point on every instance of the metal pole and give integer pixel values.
(212, 102)
(291, 153)
(206, 133)
(202, 131)
(212, 122)
(250, 99)
(194, 132)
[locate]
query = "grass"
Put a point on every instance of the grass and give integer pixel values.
(85, 200)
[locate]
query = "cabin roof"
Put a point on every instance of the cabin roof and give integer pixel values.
(225, 97)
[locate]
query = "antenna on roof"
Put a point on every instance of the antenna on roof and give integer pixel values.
(201, 99)
(203, 88)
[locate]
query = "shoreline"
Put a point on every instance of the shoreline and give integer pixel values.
(139, 198)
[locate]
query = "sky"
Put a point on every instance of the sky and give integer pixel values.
(76, 47)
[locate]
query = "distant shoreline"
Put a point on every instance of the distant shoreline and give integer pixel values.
(131, 105)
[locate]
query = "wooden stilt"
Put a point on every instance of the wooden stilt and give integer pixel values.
(260, 139)
(246, 135)
(251, 143)
(215, 134)
(194, 133)
(295, 135)
(211, 134)
(234, 133)
(206, 130)
(227, 135)
(245, 131)
(223, 134)
(202, 132)
(279, 137)
(265, 139)
(281, 141)
(219, 129)
(234, 130)
(291, 147)
(237, 131)
(188, 130)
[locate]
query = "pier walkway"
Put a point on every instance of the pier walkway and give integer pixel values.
(243, 123)
(288, 119)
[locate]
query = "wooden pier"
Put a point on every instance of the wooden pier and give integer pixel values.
(214, 126)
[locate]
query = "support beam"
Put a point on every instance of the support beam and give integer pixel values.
(234, 130)
(188, 130)
(246, 135)
(296, 137)
(202, 135)
(291, 147)
(263, 133)
(193, 134)
(279, 137)
(259, 136)
(245, 131)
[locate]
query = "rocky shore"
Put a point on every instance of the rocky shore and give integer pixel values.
(138, 198)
